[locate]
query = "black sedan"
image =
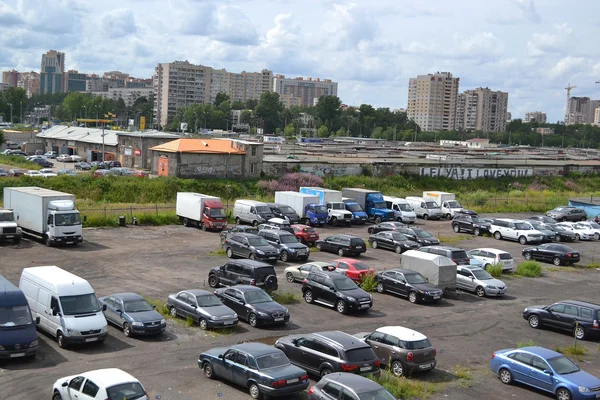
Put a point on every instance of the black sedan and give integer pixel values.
(42, 162)
(84, 166)
(393, 241)
(263, 369)
(253, 305)
(385, 226)
(133, 314)
(562, 234)
(407, 283)
(238, 228)
(557, 254)
(203, 307)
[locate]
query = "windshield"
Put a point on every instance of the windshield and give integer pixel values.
(558, 228)
(355, 207)
(523, 226)
(344, 284)
(562, 365)
(257, 241)
(415, 278)
(6, 217)
(217, 212)
(81, 304)
(320, 209)
(125, 391)
(481, 274)
(479, 220)
(15, 316)
(287, 210)
(379, 394)
(360, 266)
(581, 226)
(288, 239)
(380, 204)
(399, 237)
(257, 296)
(360, 354)
(421, 233)
(431, 204)
(454, 204)
(272, 360)
(417, 344)
(405, 207)
(308, 229)
(263, 210)
(209, 300)
(594, 225)
(67, 219)
(337, 206)
(138, 305)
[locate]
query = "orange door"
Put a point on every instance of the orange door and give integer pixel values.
(163, 166)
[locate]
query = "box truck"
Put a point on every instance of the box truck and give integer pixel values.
(332, 199)
(372, 203)
(359, 216)
(9, 230)
(307, 206)
(201, 210)
(446, 201)
(45, 213)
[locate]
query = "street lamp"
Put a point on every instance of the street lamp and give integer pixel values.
(21, 119)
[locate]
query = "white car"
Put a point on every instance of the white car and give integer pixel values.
(478, 280)
(490, 257)
(33, 172)
(110, 383)
(75, 158)
(593, 226)
(63, 158)
(581, 232)
(36, 157)
(47, 172)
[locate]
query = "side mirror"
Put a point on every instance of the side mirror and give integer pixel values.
(220, 356)
(54, 312)
(547, 371)
(332, 288)
(118, 310)
(104, 307)
(154, 307)
(65, 384)
(37, 320)
(295, 342)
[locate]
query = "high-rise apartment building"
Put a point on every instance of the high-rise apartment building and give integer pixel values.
(581, 110)
(432, 101)
(30, 81)
(74, 81)
(536, 116)
(240, 86)
(482, 109)
(129, 95)
(303, 92)
(11, 78)
(52, 72)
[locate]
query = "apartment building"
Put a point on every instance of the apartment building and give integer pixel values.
(482, 109)
(432, 101)
(30, 81)
(11, 78)
(535, 116)
(303, 92)
(74, 81)
(52, 72)
(129, 95)
(581, 110)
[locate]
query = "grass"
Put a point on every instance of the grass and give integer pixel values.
(287, 297)
(368, 282)
(525, 343)
(453, 239)
(573, 351)
(218, 252)
(189, 321)
(224, 331)
(594, 265)
(463, 373)
(402, 388)
(495, 270)
(160, 306)
(529, 269)
(18, 161)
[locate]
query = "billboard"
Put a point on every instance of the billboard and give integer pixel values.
(142, 123)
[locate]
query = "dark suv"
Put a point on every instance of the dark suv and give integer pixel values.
(335, 290)
(238, 228)
(322, 353)
(456, 254)
(342, 245)
(289, 247)
(249, 245)
(563, 214)
(243, 272)
(469, 223)
(420, 236)
(578, 317)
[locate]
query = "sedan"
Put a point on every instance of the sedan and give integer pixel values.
(297, 273)
(133, 314)
(75, 158)
(42, 162)
(352, 268)
(557, 254)
(393, 241)
(63, 158)
(253, 305)
(305, 234)
(110, 383)
(33, 172)
(82, 165)
(478, 280)
(263, 369)
(356, 387)
(593, 226)
(420, 236)
(203, 307)
(385, 226)
(47, 172)
(407, 283)
(97, 164)
(3, 172)
(562, 234)
(50, 154)
(581, 232)
(546, 370)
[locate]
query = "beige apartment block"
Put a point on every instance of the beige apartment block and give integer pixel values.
(535, 116)
(11, 78)
(303, 92)
(432, 101)
(482, 109)
(581, 110)
(30, 81)
(129, 95)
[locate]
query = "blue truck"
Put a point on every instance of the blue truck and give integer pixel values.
(308, 207)
(372, 203)
(359, 216)
(332, 199)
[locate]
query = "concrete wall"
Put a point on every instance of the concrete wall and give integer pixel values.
(128, 146)
(190, 165)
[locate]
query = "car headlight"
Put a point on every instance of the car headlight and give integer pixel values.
(292, 250)
(287, 312)
(370, 297)
(214, 318)
(73, 332)
(104, 329)
(34, 343)
(351, 299)
(583, 389)
(262, 314)
(526, 309)
(235, 316)
(163, 321)
(492, 287)
(262, 253)
(19, 230)
(137, 323)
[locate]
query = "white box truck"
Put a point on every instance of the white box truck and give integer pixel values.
(336, 208)
(45, 213)
(9, 230)
(446, 201)
(307, 206)
(201, 210)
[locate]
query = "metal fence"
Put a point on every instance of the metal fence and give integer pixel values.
(131, 211)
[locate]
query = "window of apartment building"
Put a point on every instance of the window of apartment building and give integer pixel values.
(253, 168)
(253, 150)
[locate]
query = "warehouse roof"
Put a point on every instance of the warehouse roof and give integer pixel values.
(87, 135)
(148, 134)
(201, 146)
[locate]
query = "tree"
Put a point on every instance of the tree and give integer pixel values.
(323, 131)
(269, 108)
(18, 98)
(328, 109)
(245, 116)
(251, 104)
(290, 130)
(220, 98)
(238, 105)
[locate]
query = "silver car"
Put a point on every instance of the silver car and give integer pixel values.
(299, 272)
(203, 306)
(477, 280)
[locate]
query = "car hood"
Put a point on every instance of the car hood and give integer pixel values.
(217, 311)
(546, 232)
(268, 248)
(582, 378)
(493, 282)
(482, 225)
(531, 308)
(298, 246)
(357, 293)
(410, 243)
(429, 241)
(145, 316)
(268, 307)
(425, 287)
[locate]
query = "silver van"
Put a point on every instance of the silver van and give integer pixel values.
(402, 209)
(251, 212)
(426, 209)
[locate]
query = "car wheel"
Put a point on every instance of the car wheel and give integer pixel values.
(254, 391)
(486, 266)
(480, 291)
(374, 244)
(308, 296)
(534, 321)
(448, 217)
(254, 223)
(252, 320)
(237, 220)
(563, 394)
(290, 277)
(208, 370)
(370, 231)
(378, 220)
(412, 297)
(577, 237)
(380, 288)
(203, 324)
(271, 282)
(425, 216)
(203, 226)
(325, 371)
(505, 376)
(127, 330)
(398, 249)
(556, 261)
(186, 222)
(229, 252)
(563, 219)
(528, 256)
(340, 306)
(497, 235)
(523, 240)
(341, 252)
(579, 332)
(173, 312)
(456, 228)
(397, 368)
(213, 281)
(284, 256)
(318, 246)
(596, 237)
(56, 396)
(60, 339)
(477, 232)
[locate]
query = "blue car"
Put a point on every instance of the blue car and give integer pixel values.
(547, 370)
(133, 314)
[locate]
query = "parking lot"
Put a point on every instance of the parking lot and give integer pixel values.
(157, 261)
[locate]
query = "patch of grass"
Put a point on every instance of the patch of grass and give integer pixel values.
(594, 265)
(495, 270)
(402, 388)
(18, 161)
(368, 282)
(189, 321)
(160, 306)
(287, 297)
(525, 343)
(453, 239)
(574, 351)
(223, 331)
(218, 252)
(530, 269)
(462, 373)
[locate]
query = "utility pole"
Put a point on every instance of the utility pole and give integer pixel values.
(21, 119)
(11, 116)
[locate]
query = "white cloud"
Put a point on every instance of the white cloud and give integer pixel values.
(568, 66)
(234, 27)
(543, 43)
(346, 26)
(9, 16)
(528, 11)
(119, 23)
(481, 45)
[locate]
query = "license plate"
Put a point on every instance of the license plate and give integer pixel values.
(92, 339)
(359, 247)
(17, 354)
(424, 366)
(293, 380)
(312, 236)
(272, 258)
(69, 242)
(278, 319)
(365, 306)
(228, 323)
(365, 368)
(436, 297)
(9, 236)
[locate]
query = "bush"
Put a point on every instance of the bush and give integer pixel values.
(18, 161)
(286, 297)
(160, 306)
(368, 282)
(495, 270)
(402, 388)
(530, 269)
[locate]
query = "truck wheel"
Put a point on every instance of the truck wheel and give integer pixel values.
(425, 216)
(448, 216)
(334, 221)
(378, 219)
(203, 226)
(17, 240)
(237, 220)
(186, 222)
(47, 241)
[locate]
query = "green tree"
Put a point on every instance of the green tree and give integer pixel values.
(245, 116)
(251, 104)
(269, 108)
(220, 98)
(323, 131)
(238, 105)
(17, 97)
(290, 130)
(328, 111)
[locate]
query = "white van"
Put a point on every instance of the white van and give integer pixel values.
(426, 209)
(65, 303)
(402, 209)
(251, 212)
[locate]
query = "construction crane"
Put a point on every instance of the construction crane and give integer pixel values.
(568, 114)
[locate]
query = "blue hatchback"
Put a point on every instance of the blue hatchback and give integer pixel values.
(546, 370)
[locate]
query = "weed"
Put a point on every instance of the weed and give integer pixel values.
(286, 297)
(402, 388)
(572, 350)
(525, 343)
(18, 161)
(453, 239)
(368, 282)
(530, 269)
(160, 306)
(594, 265)
(463, 373)
(224, 331)
(190, 321)
(495, 270)
(218, 252)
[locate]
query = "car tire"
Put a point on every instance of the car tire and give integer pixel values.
(289, 277)
(213, 281)
(374, 244)
(477, 232)
(577, 237)
(254, 223)
(378, 219)
(60, 339)
(340, 252)
(563, 219)
(271, 282)
(308, 297)
(186, 222)
(254, 391)
(412, 297)
(252, 256)
(397, 368)
(237, 220)
(480, 291)
(497, 235)
(534, 321)
(208, 370)
(456, 228)
(425, 216)
(127, 330)
(56, 396)
(486, 266)
(252, 320)
(318, 246)
(505, 376)
(596, 237)
(380, 288)
(370, 231)
(173, 312)
(284, 256)
(556, 261)
(341, 307)
(563, 394)
(203, 324)
(325, 371)
(229, 252)
(203, 226)
(448, 217)
(398, 250)
(579, 332)
(528, 256)
(558, 238)
(523, 240)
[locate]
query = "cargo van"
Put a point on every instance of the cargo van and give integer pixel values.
(18, 337)
(251, 212)
(402, 209)
(66, 305)
(426, 209)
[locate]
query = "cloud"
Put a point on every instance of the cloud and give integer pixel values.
(234, 27)
(9, 16)
(543, 43)
(568, 66)
(119, 23)
(347, 25)
(482, 45)
(200, 20)
(528, 11)
(58, 17)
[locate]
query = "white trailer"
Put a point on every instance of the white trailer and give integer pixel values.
(446, 201)
(439, 270)
(307, 206)
(44, 213)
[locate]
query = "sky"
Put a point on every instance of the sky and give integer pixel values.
(531, 49)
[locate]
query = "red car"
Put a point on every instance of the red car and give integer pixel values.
(140, 173)
(353, 269)
(305, 234)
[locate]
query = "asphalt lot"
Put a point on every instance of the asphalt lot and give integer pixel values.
(157, 261)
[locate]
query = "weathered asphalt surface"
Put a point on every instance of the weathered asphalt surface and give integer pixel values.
(158, 261)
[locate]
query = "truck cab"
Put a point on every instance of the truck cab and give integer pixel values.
(213, 215)
(316, 214)
(337, 213)
(8, 226)
(450, 208)
(359, 216)
(63, 223)
(377, 208)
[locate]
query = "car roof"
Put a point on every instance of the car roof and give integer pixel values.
(403, 271)
(250, 263)
(109, 377)
(127, 296)
(280, 232)
(580, 303)
(540, 351)
(346, 236)
(247, 288)
(346, 260)
(402, 333)
(445, 247)
(469, 267)
(197, 292)
(255, 349)
(491, 250)
(357, 383)
(341, 339)
(331, 274)
(247, 234)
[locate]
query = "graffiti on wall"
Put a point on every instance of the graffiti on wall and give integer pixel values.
(474, 173)
(329, 170)
(205, 170)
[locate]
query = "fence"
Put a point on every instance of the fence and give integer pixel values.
(514, 204)
(128, 212)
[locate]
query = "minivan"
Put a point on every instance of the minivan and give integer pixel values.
(251, 212)
(425, 209)
(66, 305)
(402, 209)
(18, 337)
